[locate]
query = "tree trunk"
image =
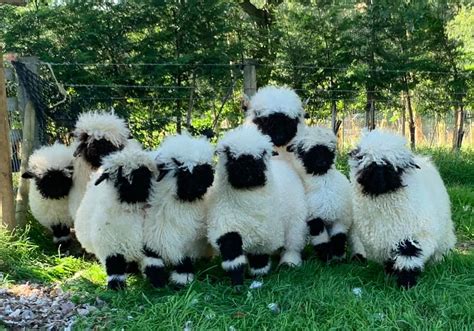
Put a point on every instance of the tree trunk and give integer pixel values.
(6, 188)
(411, 119)
(404, 116)
(334, 116)
(458, 126)
(189, 113)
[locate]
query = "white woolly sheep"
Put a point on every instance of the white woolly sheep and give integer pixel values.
(109, 222)
(97, 135)
(328, 192)
(402, 215)
(277, 112)
(256, 205)
(175, 233)
(52, 170)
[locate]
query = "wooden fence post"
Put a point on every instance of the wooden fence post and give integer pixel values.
(27, 146)
(6, 185)
(250, 78)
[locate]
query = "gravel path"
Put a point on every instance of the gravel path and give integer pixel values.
(38, 306)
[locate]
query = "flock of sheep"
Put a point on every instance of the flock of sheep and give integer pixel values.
(273, 190)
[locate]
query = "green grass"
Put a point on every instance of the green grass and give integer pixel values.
(310, 297)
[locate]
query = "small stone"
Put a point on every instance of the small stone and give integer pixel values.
(231, 328)
(83, 311)
(3, 291)
(67, 307)
(256, 284)
(188, 326)
(15, 314)
(130, 317)
(357, 292)
(27, 315)
(274, 308)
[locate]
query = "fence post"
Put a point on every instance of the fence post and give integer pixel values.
(250, 78)
(6, 185)
(29, 141)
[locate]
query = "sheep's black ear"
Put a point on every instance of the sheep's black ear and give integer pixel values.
(79, 149)
(28, 175)
(102, 177)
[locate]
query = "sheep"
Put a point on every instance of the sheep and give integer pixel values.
(402, 215)
(277, 112)
(328, 192)
(52, 170)
(110, 219)
(256, 205)
(175, 234)
(97, 134)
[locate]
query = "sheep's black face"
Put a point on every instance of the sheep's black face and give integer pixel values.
(138, 189)
(279, 127)
(245, 171)
(317, 160)
(192, 185)
(54, 184)
(94, 151)
(377, 179)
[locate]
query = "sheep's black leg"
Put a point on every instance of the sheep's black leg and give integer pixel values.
(183, 272)
(408, 263)
(154, 268)
(388, 267)
(61, 235)
(338, 245)
(320, 238)
(116, 266)
(133, 268)
(233, 258)
(259, 264)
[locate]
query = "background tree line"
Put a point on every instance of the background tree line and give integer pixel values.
(167, 64)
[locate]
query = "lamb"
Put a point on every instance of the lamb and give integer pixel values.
(277, 112)
(256, 205)
(110, 219)
(328, 192)
(97, 135)
(52, 170)
(175, 234)
(402, 215)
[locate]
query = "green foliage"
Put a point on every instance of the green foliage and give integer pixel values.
(331, 52)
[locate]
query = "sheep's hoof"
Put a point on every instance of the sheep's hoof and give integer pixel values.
(407, 278)
(116, 285)
(291, 259)
(359, 258)
(239, 288)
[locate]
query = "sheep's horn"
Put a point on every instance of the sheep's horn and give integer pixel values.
(102, 177)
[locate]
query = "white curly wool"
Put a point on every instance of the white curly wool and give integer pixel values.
(190, 151)
(419, 211)
(273, 99)
(328, 196)
(176, 228)
(267, 218)
(49, 212)
(104, 225)
(96, 125)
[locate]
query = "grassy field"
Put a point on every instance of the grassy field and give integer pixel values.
(337, 296)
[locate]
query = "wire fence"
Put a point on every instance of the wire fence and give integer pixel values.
(210, 100)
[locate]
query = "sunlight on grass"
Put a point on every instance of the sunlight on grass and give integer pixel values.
(313, 296)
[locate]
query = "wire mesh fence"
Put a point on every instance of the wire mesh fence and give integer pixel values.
(204, 99)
